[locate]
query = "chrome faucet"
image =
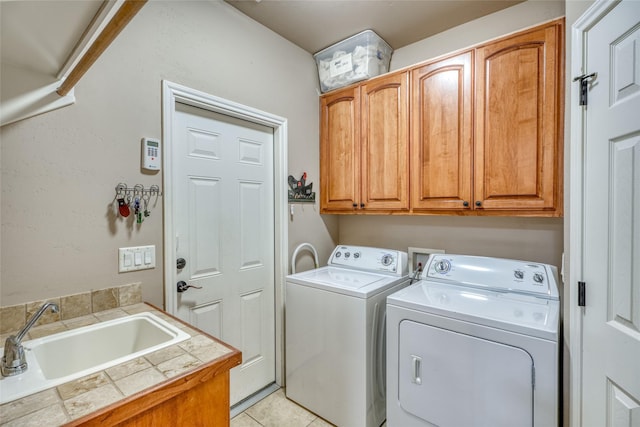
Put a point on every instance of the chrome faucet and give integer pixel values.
(14, 361)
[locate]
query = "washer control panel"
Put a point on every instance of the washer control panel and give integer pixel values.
(499, 274)
(370, 259)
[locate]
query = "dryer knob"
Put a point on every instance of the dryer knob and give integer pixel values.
(538, 278)
(443, 266)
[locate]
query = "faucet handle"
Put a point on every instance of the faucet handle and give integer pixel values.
(14, 361)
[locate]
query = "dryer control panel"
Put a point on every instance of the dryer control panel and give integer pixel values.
(499, 274)
(370, 259)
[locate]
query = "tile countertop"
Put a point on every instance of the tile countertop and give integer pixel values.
(75, 399)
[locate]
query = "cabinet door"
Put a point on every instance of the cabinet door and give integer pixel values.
(518, 140)
(385, 143)
(339, 150)
(441, 135)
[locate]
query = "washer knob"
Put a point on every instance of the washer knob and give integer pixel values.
(347, 254)
(519, 274)
(538, 278)
(338, 254)
(387, 259)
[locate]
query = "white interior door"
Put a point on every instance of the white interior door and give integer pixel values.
(611, 222)
(224, 229)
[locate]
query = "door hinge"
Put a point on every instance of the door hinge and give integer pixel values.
(584, 81)
(582, 294)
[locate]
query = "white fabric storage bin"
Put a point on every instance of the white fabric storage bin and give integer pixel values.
(357, 58)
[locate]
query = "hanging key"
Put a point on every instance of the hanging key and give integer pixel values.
(145, 200)
(123, 208)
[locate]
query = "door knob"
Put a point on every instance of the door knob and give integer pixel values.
(183, 286)
(180, 263)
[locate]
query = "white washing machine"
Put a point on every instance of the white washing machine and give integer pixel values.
(474, 344)
(335, 334)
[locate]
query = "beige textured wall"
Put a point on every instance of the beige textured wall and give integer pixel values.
(495, 25)
(530, 239)
(60, 234)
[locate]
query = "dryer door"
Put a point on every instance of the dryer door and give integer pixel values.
(451, 379)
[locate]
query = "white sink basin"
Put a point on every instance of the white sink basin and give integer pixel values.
(62, 357)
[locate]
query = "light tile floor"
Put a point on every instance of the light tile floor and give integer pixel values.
(276, 410)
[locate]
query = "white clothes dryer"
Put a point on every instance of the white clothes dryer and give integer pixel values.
(474, 344)
(335, 334)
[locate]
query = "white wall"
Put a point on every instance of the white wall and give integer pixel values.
(60, 230)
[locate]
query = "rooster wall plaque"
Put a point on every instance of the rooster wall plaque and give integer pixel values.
(299, 190)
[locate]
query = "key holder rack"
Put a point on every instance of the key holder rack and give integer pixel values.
(136, 199)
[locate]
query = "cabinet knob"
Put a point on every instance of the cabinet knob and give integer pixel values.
(465, 203)
(355, 205)
(362, 205)
(478, 203)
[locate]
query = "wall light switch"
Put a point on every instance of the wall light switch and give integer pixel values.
(136, 258)
(128, 259)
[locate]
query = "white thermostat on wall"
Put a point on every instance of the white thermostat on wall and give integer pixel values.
(151, 154)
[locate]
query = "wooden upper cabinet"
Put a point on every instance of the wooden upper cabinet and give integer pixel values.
(519, 112)
(477, 133)
(340, 150)
(385, 143)
(441, 135)
(364, 147)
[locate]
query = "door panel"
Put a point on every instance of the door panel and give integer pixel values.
(207, 316)
(441, 122)
(385, 147)
(204, 225)
(340, 150)
(223, 181)
(518, 120)
(611, 217)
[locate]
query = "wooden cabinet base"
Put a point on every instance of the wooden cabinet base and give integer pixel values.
(197, 398)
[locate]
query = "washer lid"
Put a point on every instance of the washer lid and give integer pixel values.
(345, 281)
(508, 311)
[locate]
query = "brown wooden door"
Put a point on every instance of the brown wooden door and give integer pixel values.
(441, 135)
(340, 150)
(385, 143)
(518, 142)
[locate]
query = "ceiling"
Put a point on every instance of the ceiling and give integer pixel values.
(41, 35)
(316, 24)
